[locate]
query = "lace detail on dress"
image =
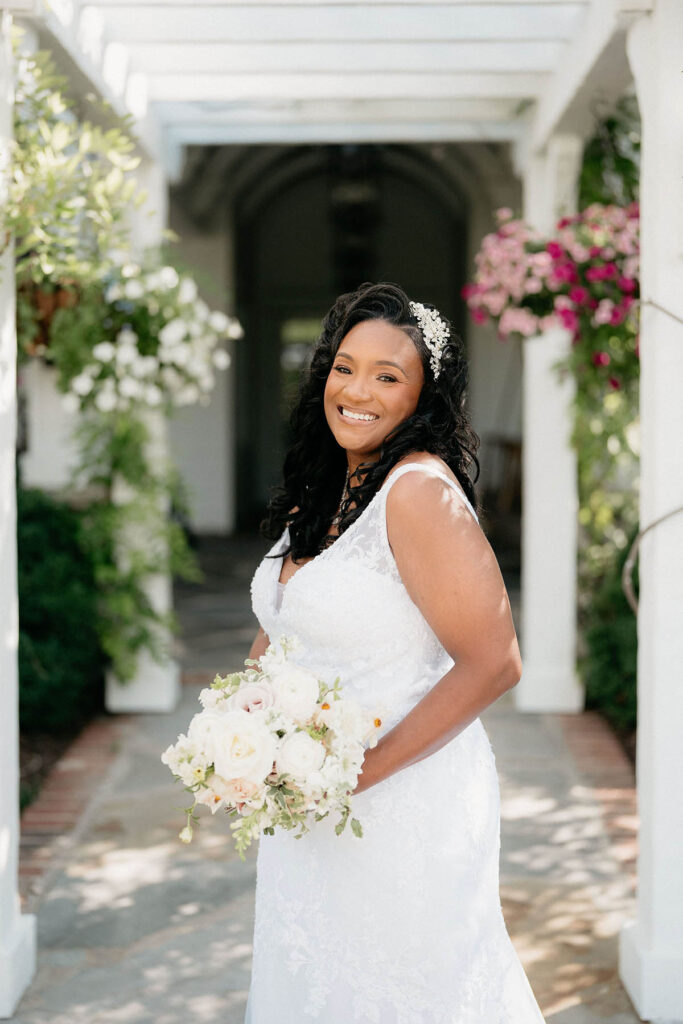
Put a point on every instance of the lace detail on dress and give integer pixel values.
(403, 926)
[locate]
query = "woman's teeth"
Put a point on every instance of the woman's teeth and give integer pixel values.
(366, 417)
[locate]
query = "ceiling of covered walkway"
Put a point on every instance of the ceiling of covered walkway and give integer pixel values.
(298, 71)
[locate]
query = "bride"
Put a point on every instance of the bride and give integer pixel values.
(382, 571)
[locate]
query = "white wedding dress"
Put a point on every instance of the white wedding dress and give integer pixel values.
(404, 925)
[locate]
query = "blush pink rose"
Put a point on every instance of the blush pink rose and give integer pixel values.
(252, 697)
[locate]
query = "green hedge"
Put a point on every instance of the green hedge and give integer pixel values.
(609, 666)
(61, 665)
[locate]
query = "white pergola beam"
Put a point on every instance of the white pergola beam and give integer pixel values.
(198, 134)
(594, 66)
(493, 58)
(248, 23)
(334, 110)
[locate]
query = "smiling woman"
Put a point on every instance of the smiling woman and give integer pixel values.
(401, 599)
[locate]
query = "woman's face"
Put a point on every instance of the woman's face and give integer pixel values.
(374, 384)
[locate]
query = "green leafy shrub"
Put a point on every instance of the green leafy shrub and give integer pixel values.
(60, 659)
(608, 667)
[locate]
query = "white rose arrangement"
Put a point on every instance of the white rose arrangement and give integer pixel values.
(275, 747)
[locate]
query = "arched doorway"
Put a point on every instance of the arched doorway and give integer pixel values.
(318, 221)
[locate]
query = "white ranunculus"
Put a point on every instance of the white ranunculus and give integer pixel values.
(220, 359)
(188, 291)
(296, 691)
(300, 755)
(106, 401)
(243, 747)
(82, 384)
(104, 351)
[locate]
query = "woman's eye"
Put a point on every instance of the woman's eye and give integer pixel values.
(388, 377)
(342, 369)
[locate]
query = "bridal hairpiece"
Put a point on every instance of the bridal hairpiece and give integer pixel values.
(434, 331)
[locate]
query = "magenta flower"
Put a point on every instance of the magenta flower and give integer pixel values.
(627, 284)
(555, 250)
(578, 295)
(568, 319)
(601, 358)
(614, 383)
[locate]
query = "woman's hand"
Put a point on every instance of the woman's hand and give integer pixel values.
(259, 646)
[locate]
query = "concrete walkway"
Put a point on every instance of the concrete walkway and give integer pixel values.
(134, 927)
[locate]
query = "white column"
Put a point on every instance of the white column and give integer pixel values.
(17, 931)
(549, 477)
(651, 947)
(156, 685)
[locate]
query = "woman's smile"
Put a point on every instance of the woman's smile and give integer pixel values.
(359, 416)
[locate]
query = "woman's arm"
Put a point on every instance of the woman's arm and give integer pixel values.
(451, 573)
(259, 645)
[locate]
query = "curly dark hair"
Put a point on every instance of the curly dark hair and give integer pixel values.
(315, 465)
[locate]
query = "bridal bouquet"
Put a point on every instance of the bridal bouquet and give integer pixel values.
(274, 746)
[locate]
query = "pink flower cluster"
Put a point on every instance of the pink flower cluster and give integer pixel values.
(586, 275)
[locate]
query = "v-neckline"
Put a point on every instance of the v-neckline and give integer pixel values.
(285, 537)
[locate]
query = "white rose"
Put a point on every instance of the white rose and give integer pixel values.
(252, 697)
(300, 755)
(296, 691)
(243, 746)
(204, 729)
(104, 351)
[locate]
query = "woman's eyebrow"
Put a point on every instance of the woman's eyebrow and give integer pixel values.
(378, 362)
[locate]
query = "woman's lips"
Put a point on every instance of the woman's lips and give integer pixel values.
(356, 416)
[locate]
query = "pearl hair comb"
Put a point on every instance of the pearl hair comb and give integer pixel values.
(434, 331)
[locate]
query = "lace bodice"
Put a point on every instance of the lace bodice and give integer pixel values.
(356, 583)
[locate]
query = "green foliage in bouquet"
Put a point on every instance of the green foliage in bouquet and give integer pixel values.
(60, 682)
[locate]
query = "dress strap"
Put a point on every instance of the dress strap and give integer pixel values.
(432, 471)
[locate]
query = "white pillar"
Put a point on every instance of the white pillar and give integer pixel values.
(651, 947)
(549, 477)
(17, 931)
(156, 685)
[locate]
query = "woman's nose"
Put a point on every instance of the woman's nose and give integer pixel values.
(358, 387)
